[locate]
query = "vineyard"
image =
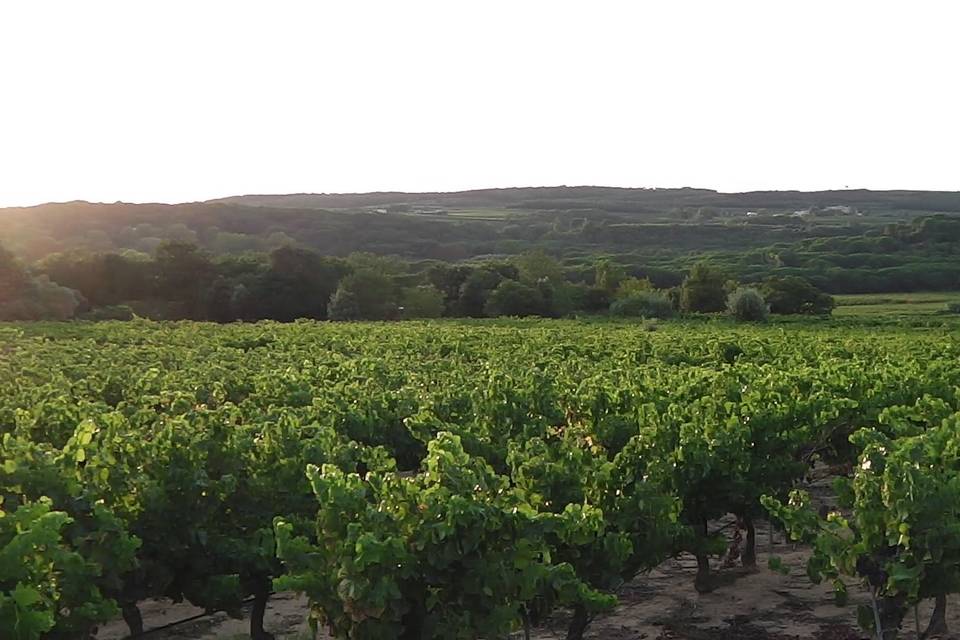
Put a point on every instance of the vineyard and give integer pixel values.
(466, 480)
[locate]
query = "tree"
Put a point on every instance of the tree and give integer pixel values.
(793, 294)
(632, 286)
(344, 306)
(103, 278)
(183, 274)
(747, 305)
(126, 276)
(421, 302)
(564, 298)
(704, 289)
(55, 302)
(14, 281)
(298, 284)
(384, 265)
(23, 297)
(474, 292)
(219, 299)
(374, 295)
(537, 266)
(512, 298)
(42, 300)
(594, 299)
(647, 304)
(448, 279)
(607, 276)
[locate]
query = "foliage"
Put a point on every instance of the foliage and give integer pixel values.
(629, 287)
(452, 552)
(183, 272)
(280, 281)
(614, 445)
(422, 302)
(897, 530)
(297, 284)
(475, 290)
(842, 241)
(643, 305)
(512, 298)
(85, 547)
(793, 294)
(537, 266)
(41, 578)
(23, 297)
(344, 306)
(704, 289)
(14, 281)
(746, 304)
(364, 294)
(608, 276)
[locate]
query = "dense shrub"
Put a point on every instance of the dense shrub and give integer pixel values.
(343, 306)
(747, 305)
(594, 299)
(364, 294)
(41, 299)
(643, 305)
(512, 298)
(793, 294)
(421, 302)
(704, 290)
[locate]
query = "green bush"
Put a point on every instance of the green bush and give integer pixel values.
(703, 289)
(953, 307)
(37, 299)
(512, 298)
(421, 302)
(747, 305)
(364, 295)
(793, 294)
(343, 306)
(643, 305)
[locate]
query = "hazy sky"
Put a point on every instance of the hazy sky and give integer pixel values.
(174, 101)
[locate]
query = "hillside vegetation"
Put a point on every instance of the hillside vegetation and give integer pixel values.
(416, 255)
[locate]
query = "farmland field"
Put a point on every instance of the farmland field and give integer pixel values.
(472, 479)
(895, 304)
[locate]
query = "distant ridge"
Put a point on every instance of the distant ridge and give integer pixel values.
(608, 198)
(573, 197)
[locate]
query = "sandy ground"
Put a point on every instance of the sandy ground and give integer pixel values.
(749, 605)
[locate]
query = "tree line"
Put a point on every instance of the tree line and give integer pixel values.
(182, 281)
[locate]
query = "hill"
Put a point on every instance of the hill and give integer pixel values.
(568, 221)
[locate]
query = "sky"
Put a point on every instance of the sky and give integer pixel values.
(172, 101)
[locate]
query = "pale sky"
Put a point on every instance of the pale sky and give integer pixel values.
(174, 101)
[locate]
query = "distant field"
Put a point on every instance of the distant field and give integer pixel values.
(904, 304)
(478, 214)
(485, 214)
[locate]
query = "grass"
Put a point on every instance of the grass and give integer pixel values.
(899, 304)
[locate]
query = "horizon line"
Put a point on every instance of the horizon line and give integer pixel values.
(221, 199)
